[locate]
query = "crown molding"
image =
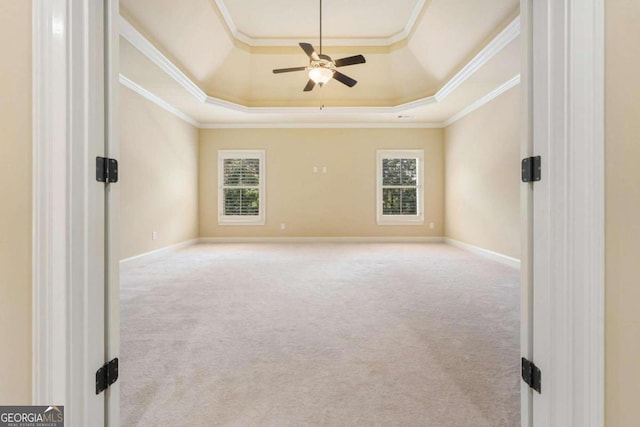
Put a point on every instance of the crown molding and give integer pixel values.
(313, 125)
(509, 84)
(322, 239)
(483, 101)
(309, 110)
(499, 42)
(400, 36)
(125, 81)
(140, 42)
(309, 125)
(158, 101)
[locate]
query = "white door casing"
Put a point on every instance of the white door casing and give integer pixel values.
(69, 207)
(50, 204)
(567, 101)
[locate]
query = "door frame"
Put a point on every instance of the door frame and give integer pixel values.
(68, 252)
(566, 121)
(563, 262)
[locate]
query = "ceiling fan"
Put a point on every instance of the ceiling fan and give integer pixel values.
(321, 67)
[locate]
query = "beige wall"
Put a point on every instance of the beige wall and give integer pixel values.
(623, 213)
(15, 202)
(482, 164)
(339, 203)
(159, 177)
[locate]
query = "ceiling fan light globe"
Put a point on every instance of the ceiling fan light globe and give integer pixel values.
(320, 75)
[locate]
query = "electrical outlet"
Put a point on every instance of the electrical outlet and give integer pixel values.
(154, 235)
(324, 169)
(315, 169)
(283, 226)
(432, 225)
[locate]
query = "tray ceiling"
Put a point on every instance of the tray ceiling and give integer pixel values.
(195, 44)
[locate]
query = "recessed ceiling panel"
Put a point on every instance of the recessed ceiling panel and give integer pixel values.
(343, 19)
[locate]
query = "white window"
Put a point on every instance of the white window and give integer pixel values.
(241, 187)
(400, 195)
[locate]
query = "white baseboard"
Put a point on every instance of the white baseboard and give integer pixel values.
(511, 262)
(321, 240)
(151, 255)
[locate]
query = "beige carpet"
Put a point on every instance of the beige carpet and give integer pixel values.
(320, 335)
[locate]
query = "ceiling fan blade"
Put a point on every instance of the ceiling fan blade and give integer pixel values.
(310, 51)
(344, 79)
(310, 85)
(352, 60)
(288, 70)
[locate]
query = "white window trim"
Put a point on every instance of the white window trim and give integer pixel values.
(400, 219)
(260, 219)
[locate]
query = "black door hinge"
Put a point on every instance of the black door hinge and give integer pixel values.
(106, 375)
(531, 169)
(106, 170)
(531, 374)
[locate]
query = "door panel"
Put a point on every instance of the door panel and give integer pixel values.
(526, 210)
(541, 116)
(112, 199)
(87, 212)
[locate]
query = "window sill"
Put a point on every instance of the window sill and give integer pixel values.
(222, 221)
(400, 221)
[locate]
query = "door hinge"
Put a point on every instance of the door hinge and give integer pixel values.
(531, 374)
(532, 169)
(106, 170)
(106, 375)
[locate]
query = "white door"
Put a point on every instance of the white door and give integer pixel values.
(112, 198)
(69, 207)
(567, 119)
(84, 31)
(89, 124)
(540, 298)
(526, 211)
(86, 129)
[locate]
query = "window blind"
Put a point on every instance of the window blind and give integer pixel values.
(241, 187)
(399, 186)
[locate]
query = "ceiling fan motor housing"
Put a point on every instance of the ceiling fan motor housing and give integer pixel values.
(321, 70)
(322, 63)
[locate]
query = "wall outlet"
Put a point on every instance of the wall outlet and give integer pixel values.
(432, 225)
(283, 226)
(154, 235)
(315, 169)
(324, 169)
